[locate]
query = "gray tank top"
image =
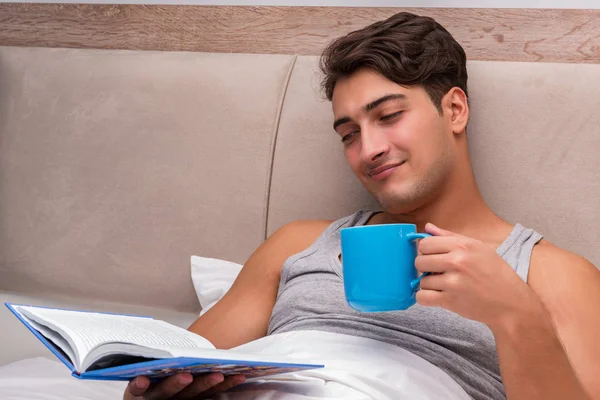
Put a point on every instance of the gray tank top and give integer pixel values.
(311, 297)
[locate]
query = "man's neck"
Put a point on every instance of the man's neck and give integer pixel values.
(460, 209)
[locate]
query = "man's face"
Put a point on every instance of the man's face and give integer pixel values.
(394, 139)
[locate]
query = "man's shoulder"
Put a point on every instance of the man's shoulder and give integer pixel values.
(547, 255)
(298, 235)
(286, 241)
(301, 231)
(554, 270)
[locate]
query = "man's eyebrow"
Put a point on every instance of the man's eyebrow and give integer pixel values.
(340, 121)
(371, 106)
(383, 99)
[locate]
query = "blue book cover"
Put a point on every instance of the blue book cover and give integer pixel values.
(104, 346)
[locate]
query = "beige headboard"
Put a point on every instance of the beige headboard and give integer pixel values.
(116, 166)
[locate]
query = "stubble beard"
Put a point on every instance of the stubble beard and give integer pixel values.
(406, 197)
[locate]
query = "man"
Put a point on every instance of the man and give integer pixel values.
(506, 314)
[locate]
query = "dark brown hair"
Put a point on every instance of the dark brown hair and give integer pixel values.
(407, 49)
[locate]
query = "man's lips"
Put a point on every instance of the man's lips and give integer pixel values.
(383, 171)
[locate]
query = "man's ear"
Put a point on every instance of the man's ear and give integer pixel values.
(456, 109)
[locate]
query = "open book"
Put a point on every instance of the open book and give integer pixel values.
(120, 347)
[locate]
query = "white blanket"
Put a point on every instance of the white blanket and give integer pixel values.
(356, 368)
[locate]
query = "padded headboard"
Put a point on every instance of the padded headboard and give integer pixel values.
(116, 166)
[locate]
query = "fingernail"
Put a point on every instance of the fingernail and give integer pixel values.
(185, 379)
(139, 384)
(213, 380)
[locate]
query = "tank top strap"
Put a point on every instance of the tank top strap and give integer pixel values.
(516, 250)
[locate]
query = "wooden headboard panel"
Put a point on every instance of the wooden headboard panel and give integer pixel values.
(541, 35)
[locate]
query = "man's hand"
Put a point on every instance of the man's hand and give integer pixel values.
(471, 279)
(180, 386)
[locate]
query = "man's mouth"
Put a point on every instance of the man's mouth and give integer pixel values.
(384, 171)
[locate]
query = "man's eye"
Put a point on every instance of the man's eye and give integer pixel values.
(390, 116)
(348, 137)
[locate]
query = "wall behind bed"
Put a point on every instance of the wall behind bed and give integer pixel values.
(538, 35)
(585, 4)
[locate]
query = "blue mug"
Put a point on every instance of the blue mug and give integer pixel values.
(378, 264)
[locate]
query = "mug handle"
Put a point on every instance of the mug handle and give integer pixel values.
(414, 285)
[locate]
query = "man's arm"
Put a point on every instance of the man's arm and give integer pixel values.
(533, 363)
(554, 348)
(242, 315)
(569, 287)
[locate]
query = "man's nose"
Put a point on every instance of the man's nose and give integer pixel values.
(374, 145)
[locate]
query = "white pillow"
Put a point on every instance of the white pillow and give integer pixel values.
(212, 278)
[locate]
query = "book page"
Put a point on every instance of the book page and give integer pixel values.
(89, 330)
(55, 337)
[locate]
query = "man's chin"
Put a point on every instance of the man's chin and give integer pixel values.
(395, 202)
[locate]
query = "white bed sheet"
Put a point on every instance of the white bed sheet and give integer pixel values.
(356, 368)
(43, 379)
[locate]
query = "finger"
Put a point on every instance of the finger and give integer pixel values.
(169, 387)
(430, 298)
(201, 384)
(228, 383)
(434, 282)
(136, 387)
(439, 244)
(437, 231)
(435, 263)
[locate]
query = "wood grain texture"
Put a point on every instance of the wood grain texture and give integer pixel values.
(486, 34)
